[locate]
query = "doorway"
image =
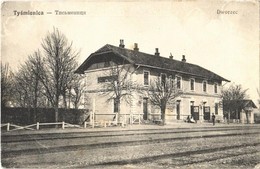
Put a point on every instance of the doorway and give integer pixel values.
(206, 113)
(194, 112)
(178, 112)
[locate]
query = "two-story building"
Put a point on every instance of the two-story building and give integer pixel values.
(201, 87)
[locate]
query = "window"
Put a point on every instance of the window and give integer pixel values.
(178, 79)
(216, 108)
(163, 79)
(116, 105)
(146, 78)
(204, 83)
(107, 79)
(216, 88)
(192, 82)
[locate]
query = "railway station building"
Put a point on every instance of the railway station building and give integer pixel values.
(201, 87)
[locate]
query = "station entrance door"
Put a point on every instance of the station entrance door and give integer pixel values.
(206, 113)
(195, 112)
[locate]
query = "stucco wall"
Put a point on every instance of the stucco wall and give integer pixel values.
(243, 117)
(135, 105)
(198, 97)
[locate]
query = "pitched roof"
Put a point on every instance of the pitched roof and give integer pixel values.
(239, 103)
(158, 62)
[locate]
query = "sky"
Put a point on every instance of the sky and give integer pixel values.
(227, 44)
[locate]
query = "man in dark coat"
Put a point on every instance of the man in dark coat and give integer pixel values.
(213, 119)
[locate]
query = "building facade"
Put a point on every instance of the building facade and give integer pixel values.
(201, 88)
(241, 111)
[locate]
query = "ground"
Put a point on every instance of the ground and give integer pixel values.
(140, 146)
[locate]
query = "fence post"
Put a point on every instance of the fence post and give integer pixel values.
(139, 120)
(125, 119)
(37, 126)
(116, 118)
(90, 117)
(93, 119)
(63, 125)
(85, 124)
(8, 126)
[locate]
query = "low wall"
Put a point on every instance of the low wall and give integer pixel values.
(25, 116)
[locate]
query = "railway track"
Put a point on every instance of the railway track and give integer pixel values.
(117, 143)
(54, 136)
(179, 157)
(185, 154)
(115, 149)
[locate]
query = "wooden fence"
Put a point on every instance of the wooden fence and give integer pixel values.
(36, 126)
(133, 119)
(123, 120)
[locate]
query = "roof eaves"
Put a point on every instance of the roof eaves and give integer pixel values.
(100, 53)
(79, 71)
(226, 80)
(172, 70)
(211, 72)
(90, 56)
(252, 103)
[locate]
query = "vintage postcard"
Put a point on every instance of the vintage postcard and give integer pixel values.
(130, 84)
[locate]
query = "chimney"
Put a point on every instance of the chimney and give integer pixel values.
(121, 45)
(136, 47)
(157, 52)
(183, 58)
(171, 57)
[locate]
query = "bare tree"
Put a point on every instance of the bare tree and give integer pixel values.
(118, 84)
(229, 95)
(163, 93)
(28, 86)
(6, 84)
(75, 90)
(57, 66)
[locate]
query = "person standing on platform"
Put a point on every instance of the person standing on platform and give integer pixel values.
(213, 119)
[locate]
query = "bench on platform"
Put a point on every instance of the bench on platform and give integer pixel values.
(157, 121)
